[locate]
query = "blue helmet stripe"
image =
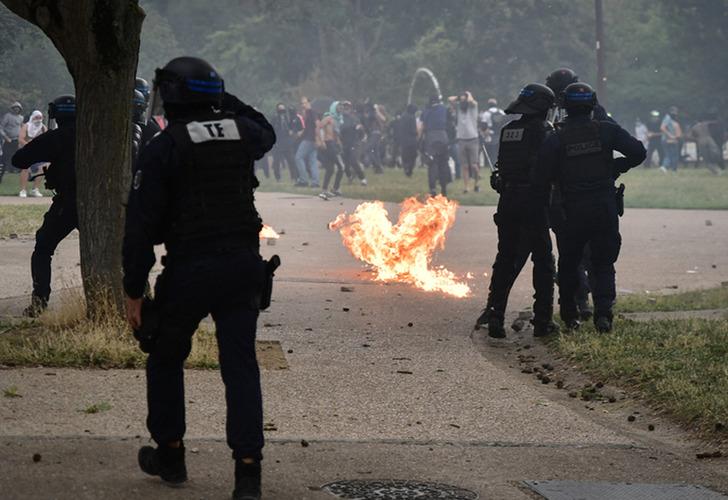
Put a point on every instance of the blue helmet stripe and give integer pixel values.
(205, 90)
(578, 96)
(205, 83)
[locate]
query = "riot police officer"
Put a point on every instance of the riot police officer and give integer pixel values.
(520, 231)
(138, 107)
(149, 126)
(579, 158)
(193, 191)
(557, 81)
(58, 147)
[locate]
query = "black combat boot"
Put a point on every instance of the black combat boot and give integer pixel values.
(37, 306)
(543, 328)
(572, 324)
(247, 481)
(165, 462)
(493, 325)
(603, 324)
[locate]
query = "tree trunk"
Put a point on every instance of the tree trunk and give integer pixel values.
(99, 40)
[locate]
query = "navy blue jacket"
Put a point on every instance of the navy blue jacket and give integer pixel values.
(550, 156)
(148, 212)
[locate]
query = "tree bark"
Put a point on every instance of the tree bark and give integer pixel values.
(99, 40)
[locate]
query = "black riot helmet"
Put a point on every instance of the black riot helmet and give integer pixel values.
(579, 98)
(189, 80)
(534, 99)
(62, 109)
(559, 79)
(138, 107)
(142, 86)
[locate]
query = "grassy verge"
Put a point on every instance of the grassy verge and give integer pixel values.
(10, 186)
(65, 338)
(646, 188)
(711, 298)
(20, 219)
(677, 365)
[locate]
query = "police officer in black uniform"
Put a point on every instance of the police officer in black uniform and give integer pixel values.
(149, 126)
(579, 158)
(520, 231)
(138, 107)
(557, 81)
(58, 147)
(193, 191)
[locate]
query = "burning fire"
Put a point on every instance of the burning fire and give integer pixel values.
(403, 252)
(268, 232)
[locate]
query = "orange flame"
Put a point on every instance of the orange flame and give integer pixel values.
(403, 252)
(268, 232)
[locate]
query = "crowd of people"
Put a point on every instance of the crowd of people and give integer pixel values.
(452, 138)
(345, 140)
(16, 132)
(666, 139)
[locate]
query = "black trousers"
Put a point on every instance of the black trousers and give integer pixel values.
(518, 238)
(438, 169)
(350, 156)
(58, 222)
(409, 157)
(591, 220)
(329, 157)
(224, 286)
(9, 149)
(283, 155)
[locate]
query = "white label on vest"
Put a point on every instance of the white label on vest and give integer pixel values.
(219, 130)
(512, 135)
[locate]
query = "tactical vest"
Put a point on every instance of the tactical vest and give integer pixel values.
(213, 209)
(586, 163)
(519, 144)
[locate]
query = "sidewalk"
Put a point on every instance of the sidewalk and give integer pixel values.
(374, 397)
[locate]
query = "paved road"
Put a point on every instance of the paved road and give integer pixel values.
(374, 397)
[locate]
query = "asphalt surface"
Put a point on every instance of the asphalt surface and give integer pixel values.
(374, 397)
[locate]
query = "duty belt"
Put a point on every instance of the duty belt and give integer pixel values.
(516, 185)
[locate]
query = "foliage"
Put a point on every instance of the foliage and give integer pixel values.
(658, 53)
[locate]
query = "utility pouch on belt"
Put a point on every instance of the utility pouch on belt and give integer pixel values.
(147, 334)
(620, 200)
(267, 292)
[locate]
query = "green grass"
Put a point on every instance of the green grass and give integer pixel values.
(64, 337)
(20, 219)
(677, 365)
(695, 300)
(10, 186)
(646, 188)
(97, 408)
(11, 392)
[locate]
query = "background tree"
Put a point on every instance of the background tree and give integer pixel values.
(99, 41)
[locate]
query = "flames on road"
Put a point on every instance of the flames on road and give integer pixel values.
(403, 252)
(268, 232)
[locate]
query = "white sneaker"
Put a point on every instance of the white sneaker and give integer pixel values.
(35, 193)
(663, 170)
(23, 193)
(363, 182)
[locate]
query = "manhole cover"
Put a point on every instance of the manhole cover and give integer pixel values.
(395, 489)
(586, 490)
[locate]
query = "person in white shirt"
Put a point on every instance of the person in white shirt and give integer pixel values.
(29, 131)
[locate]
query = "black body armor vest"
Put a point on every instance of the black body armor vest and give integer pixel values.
(586, 163)
(213, 209)
(520, 141)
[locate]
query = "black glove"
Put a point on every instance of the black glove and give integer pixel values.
(147, 334)
(495, 181)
